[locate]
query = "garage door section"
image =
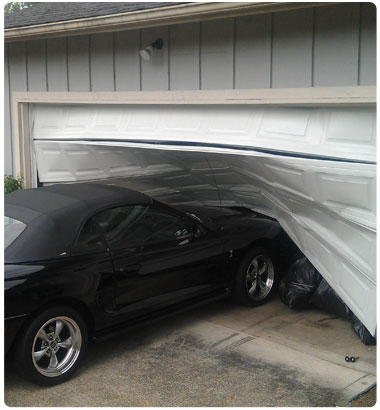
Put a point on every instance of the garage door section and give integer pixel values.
(313, 169)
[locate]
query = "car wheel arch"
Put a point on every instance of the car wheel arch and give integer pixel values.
(263, 243)
(75, 304)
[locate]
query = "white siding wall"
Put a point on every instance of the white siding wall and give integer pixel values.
(184, 57)
(78, 56)
(7, 117)
(336, 45)
(127, 61)
(253, 56)
(325, 46)
(292, 49)
(56, 60)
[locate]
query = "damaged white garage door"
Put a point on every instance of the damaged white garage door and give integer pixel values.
(313, 169)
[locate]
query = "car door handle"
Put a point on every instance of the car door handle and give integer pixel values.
(130, 268)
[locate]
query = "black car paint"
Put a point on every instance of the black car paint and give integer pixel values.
(115, 290)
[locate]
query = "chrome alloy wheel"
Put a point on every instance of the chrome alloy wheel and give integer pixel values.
(56, 346)
(260, 277)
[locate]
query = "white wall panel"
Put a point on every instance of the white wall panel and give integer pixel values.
(79, 63)
(17, 81)
(36, 60)
(253, 51)
(102, 63)
(367, 58)
(184, 56)
(7, 119)
(336, 45)
(17, 67)
(127, 60)
(57, 64)
(217, 54)
(292, 49)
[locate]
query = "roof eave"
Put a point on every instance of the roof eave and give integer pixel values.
(183, 13)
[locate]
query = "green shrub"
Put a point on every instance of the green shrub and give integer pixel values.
(12, 184)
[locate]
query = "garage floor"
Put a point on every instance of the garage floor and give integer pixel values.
(218, 355)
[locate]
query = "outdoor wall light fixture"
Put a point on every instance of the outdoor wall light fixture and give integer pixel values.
(147, 51)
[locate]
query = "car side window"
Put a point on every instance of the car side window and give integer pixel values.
(141, 224)
(89, 239)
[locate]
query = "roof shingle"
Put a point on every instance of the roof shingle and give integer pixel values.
(47, 12)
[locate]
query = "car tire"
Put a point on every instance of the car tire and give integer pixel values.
(51, 346)
(251, 287)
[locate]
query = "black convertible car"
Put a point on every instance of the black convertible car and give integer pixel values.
(88, 261)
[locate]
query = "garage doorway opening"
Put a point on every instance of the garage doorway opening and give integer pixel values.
(311, 168)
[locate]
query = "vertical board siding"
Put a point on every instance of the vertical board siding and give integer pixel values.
(292, 49)
(217, 54)
(102, 63)
(36, 55)
(155, 72)
(57, 64)
(17, 67)
(127, 64)
(78, 63)
(326, 46)
(367, 58)
(184, 56)
(336, 45)
(7, 119)
(17, 82)
(253, 51)
(210, 55)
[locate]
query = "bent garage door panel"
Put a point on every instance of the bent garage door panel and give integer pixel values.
(343, 132)
(313, 169)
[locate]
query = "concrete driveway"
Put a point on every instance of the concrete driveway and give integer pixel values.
(218, 355)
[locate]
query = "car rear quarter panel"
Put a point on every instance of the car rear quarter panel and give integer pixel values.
(87, 279)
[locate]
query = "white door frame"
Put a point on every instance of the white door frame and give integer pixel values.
(319, 96)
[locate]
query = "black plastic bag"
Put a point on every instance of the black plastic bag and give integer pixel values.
(299, 284)
(362, 332)
(326, 299)
(303, 287)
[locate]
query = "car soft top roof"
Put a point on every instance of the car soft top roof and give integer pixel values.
(54, 215)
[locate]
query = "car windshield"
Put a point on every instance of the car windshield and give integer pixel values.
(12, 230)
